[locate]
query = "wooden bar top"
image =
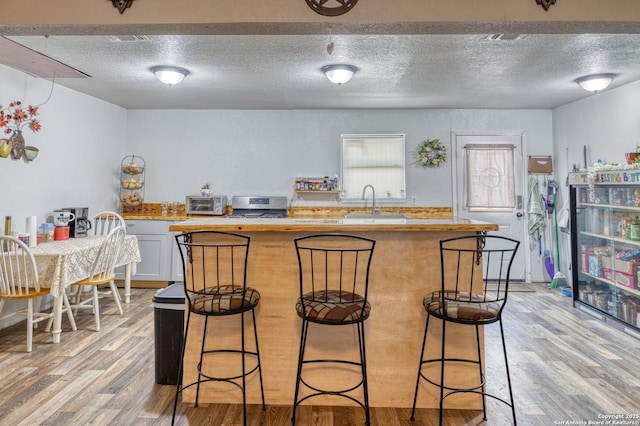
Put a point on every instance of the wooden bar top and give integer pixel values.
(381, 224)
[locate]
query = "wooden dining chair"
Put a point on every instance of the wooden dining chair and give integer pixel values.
(105, 221)
(19, 281)
(102, 223)
(102, 272)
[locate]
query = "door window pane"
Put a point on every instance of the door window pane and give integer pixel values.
(490, 177)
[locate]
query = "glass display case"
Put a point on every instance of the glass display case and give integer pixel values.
(605, 240)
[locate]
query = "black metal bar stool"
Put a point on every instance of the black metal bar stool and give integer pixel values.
(215, 268)
(475, 273)
(334, 280)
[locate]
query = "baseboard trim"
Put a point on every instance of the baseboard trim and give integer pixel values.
(144, 284)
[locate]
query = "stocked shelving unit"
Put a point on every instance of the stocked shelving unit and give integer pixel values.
(605, 246)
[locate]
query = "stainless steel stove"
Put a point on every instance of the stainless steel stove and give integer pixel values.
(264, 207)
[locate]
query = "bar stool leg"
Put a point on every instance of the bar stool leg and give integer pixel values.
(415, 395)
(255, 334)
(363, 362)
(180, 369)
(204, 338)
(303, 342)
(244, 372)
(506, 365)
(442, 364)
(482, 379)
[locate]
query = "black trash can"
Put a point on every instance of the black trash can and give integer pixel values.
(168, 315)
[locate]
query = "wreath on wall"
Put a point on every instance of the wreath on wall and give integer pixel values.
(431, 153)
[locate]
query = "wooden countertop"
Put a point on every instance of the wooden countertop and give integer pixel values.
(155, 216)
(321, 219)
(331, 225)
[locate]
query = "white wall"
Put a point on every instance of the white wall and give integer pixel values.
(606, 123)
(81, 144)
(81, 141)
(241, 152)
(262, 151)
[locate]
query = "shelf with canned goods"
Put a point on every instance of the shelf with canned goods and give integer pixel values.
(317, 184)
(605, 234)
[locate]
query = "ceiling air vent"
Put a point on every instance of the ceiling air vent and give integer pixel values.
(118, 38)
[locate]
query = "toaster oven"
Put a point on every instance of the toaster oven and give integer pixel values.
(210, 204)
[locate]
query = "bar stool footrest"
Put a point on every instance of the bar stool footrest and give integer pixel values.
(230, 378)
(471, 389)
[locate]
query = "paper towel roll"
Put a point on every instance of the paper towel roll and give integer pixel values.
(32, 229)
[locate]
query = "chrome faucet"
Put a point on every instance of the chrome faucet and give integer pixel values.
(373, 203)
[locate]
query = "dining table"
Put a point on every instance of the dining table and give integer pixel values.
(61, 263)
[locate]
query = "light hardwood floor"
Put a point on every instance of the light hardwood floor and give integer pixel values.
(565, 366)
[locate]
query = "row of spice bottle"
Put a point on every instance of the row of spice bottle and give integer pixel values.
(317, 184)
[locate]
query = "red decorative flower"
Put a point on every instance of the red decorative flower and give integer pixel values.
(16, 117)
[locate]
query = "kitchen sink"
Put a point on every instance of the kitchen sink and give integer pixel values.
(376, 221)
(381, 216)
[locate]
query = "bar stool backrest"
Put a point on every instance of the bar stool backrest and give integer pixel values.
(476, 268)
(213, 261)
(330, 263)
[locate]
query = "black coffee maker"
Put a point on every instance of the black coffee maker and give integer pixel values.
(79, 227)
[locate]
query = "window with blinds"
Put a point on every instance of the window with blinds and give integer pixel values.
(377, 160)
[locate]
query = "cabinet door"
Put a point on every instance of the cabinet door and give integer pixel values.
(153, 240)
(154, 255)
(177, 275)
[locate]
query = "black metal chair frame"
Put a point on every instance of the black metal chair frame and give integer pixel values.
(449, 295)
(238, 250)
(321, 282)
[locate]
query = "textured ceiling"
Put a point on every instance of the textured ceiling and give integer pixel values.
(395, 71)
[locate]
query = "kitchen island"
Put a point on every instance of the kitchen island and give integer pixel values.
(404, 268)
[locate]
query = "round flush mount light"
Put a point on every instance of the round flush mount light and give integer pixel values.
(339, 73)
(169, 75)
(595, 82)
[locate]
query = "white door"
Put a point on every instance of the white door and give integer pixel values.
(511, 222)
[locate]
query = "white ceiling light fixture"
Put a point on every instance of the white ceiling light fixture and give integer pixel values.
(170, 75)
(595, 82)
(339, 73)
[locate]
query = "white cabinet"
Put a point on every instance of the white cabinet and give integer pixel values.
(160, 259)
(177, 276)
(154, 240)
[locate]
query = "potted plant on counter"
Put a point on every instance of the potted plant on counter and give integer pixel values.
(205, 190)
(633, 157)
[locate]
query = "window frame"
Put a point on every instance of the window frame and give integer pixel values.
(348, 188)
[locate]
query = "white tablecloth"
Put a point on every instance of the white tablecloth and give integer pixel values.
(64, 262)
(61, 263)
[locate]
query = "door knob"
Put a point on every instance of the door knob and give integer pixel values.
(519, 214)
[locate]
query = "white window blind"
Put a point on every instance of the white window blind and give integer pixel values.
(377, 160)
(490, 177)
